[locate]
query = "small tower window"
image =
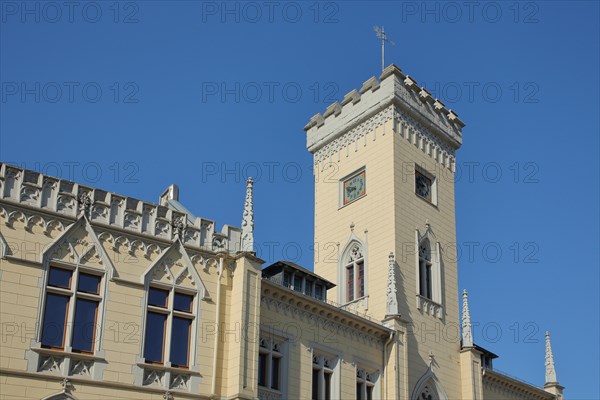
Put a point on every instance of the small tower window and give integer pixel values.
(425, 186)
(425, 270)
(355, 274)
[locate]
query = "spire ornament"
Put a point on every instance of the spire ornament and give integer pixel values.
(467, 333)
(550, 371)
(248, 218)
(392, 290)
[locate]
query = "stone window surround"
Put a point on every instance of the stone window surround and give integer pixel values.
(63, 361)
(167, 376)
(321, 353)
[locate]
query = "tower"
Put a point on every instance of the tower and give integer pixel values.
(384, 182)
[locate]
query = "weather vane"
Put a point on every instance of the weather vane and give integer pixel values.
(381, 35)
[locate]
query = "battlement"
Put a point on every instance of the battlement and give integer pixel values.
(65, 201)
(392, 88)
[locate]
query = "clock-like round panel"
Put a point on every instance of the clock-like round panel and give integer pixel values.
(354, 187)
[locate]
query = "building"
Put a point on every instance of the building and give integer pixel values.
(105, 296)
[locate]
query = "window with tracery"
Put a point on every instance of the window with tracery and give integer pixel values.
(322, 377)
(355, 274)
(270, 359)
(365, 384)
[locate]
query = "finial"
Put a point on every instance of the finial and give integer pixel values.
(85, 202)
(467, 333)
(66, 385)
(550, 371)
(179, 227)
(431, 359)
(392, 289)
(248, 218)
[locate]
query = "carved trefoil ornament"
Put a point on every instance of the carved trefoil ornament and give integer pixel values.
(51, 364)
(153, 377)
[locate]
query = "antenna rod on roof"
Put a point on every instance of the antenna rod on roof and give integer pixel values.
(381, 35)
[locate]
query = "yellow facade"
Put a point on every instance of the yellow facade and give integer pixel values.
(390, 328)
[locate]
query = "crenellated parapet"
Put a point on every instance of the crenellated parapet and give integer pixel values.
(38, 198)
(418, 117)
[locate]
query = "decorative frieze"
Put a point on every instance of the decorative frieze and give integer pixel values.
(328, 323)
(266, 394)
(404, 125)
(60, 202)
(81, 368)
(154, 377)
(51, 363)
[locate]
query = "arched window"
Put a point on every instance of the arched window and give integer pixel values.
(425, 270)
(428, 265)
(354, 272)
(429, 388)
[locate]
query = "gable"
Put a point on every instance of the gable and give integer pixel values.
(79, 245)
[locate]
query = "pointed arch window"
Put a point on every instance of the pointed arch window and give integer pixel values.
(425, 270)
(354, 272)
(429, 274)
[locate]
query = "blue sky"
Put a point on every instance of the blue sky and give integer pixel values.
(134, 96)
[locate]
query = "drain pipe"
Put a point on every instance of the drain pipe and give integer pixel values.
(385, 347)
(213, 389)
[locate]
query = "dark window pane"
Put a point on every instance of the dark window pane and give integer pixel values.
(350, 282)
(369, 392)
(183, 302)
(308, 288)
(53, 330)
(298, 283)
(60, 278)
(359, 390)
(327, 385)
(428, 281)
(319, 292)
(275, 372)
(84, 327)
(155, 336)
(158, 297)
(262, 369)
(180, 342)
(89, 283)
(315, 384)
(286, 279)
(361, 279)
